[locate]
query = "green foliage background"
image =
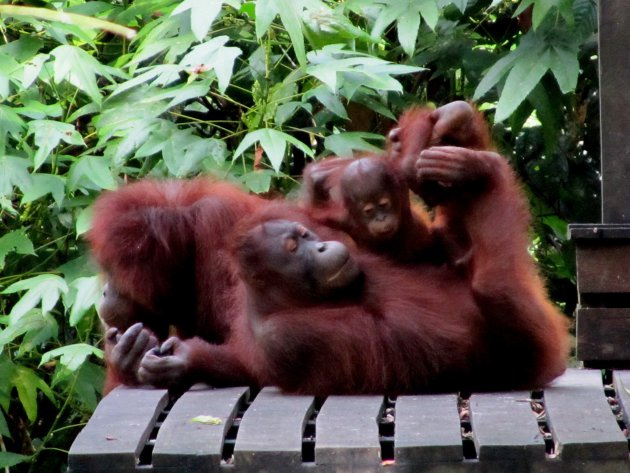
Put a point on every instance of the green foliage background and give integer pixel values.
(248, 91)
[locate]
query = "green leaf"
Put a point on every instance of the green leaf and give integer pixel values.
(213, 55)
(389, 12)
(78, 68)
(10, 121)
(4, 427)
(46, 330)
(202, 15)
(547, 104)
(9, 459)
(84, 294)
(27, 384)
(265, 13)
(23, 48)
(187, 92)
(89, 380)
(36, 327)
(15, 241)
(290, 12)
(558, 226)
(137, 134)
(7, 372)
(273, 142)
(184, 152)
(84, 220)
(291, 15)
(328, 99)
(162, 74)
(406, 14)
(38, 110)
(460, 4)
(44, 288)
(13, 173)
(498, 70)
(9, 67)
(408, 26)
(48, 134)
(81, 266)
(217, 151)
(258, 181)
(429, 11)
(91, 172)
(72, 356)
(541, 8)
(32, 69)
(338, 68)
(565, 67)
(287, 110)
(159, 135)
(42, 184)
(521, 80)
(344, 144)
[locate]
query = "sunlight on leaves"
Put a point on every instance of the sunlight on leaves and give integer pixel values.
(17, 241)
(44, 288)
(72, 356)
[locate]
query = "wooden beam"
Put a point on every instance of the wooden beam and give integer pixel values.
(614, 77)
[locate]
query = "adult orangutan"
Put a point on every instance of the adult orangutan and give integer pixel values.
(159, 244)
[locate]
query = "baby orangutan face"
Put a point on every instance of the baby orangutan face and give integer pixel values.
(372, 199)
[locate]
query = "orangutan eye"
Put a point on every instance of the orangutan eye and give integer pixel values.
(290, 245)
(303, 231)
(368, 210)
(385, 203)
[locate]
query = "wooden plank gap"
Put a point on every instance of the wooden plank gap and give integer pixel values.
(387, 430)
(227, 452)
(146, 454)
(538, 408)
(621, 383)
(309, 435)
(469, 448)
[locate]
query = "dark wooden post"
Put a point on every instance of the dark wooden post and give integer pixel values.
(603, 249)
(614, 77)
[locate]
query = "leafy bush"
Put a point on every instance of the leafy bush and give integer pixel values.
(95, 93)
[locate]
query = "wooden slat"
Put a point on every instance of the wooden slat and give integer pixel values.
(191, 446)
(270, 435)
(505, 427)
(580, 418)
(602, 266)
(347, 431)
(602, 334)
(597, 231)
(117, 431)
(427, 430)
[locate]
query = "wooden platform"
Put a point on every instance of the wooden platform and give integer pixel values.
(574, 426)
